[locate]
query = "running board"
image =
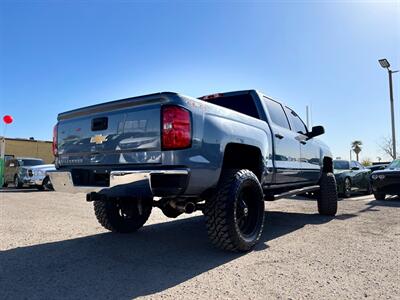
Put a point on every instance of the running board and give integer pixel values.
(303, 190)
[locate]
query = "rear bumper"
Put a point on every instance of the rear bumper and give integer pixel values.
(125, 183)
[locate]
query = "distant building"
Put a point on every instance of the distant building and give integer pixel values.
(29, 148)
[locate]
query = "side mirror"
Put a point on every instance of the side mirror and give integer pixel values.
(315, 131)
(355, 168)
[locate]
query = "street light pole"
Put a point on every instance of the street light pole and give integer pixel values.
(386, 65)
(392, 111)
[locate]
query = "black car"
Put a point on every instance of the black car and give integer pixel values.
(387, 181)
(351, 177)
(374, 168)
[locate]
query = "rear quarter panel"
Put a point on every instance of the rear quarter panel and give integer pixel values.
(214, 127)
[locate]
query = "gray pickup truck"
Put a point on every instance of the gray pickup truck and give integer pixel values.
(223, 154)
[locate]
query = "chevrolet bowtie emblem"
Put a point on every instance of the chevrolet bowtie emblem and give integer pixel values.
(98, 139)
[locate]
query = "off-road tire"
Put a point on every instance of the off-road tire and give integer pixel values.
(380, 196)
(327, 196)
(221, 211)
(109, 214)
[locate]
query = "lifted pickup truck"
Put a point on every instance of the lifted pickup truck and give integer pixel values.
(223, 154)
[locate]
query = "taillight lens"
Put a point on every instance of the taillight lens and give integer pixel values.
(176, 128)
(55, 137)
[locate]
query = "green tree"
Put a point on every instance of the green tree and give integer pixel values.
(356, 146)
(366, 162)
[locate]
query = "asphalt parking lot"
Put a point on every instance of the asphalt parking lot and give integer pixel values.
(52, 247)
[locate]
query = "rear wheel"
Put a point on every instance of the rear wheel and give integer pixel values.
(327, 196)
(347, 188)
(380, 196)
(235, 214)
(123, 216)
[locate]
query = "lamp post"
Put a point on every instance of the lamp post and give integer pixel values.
(386, 65)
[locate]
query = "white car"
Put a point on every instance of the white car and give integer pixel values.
(37, 176)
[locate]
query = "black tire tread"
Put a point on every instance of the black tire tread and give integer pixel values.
(380, 196)
(328, 199)
(218, 227)
(106, 218)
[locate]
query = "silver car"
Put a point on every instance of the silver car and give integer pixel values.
(30, 172)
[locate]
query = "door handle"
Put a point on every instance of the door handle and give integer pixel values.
(303, 142)
(279, 136)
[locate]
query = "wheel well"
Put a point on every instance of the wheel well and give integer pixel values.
(327, 166)
(241, 156)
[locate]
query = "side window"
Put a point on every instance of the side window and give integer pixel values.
(240, 103)
(353, 164)
(359, 165)
(295, 121)
(277, 114)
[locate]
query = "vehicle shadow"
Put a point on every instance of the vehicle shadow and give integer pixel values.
(115, 266)
(390, 201)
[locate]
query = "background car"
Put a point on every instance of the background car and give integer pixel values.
(351, 176)
(386, 181)
(31, 172)
(377, 167)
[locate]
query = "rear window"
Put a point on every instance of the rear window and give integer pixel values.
(30, 162)
(341, 165)
(240, 103)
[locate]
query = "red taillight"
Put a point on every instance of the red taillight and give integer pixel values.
(176, 128)
(55, 135)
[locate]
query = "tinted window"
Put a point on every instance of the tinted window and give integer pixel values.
(240, 103)
(394, 164)
(276, 113)
(359, 165)
(341, 165)
(31, 162)
(353, 164)
(295, 121)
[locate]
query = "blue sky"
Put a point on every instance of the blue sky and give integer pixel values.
(60, 55)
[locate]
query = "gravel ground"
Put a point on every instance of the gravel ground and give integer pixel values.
(52, 247)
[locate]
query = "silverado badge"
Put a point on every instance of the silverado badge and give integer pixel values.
(98, 139)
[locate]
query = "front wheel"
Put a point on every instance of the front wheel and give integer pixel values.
(327, 197)
(17, 182)
(47, 184)
(235, 214)
(379, 196)
(123, 216)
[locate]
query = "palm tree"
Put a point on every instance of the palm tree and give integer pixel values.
(356, 146)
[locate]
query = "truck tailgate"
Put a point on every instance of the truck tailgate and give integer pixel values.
(122, 132)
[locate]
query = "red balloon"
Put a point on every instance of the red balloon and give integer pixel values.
(7, 119)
